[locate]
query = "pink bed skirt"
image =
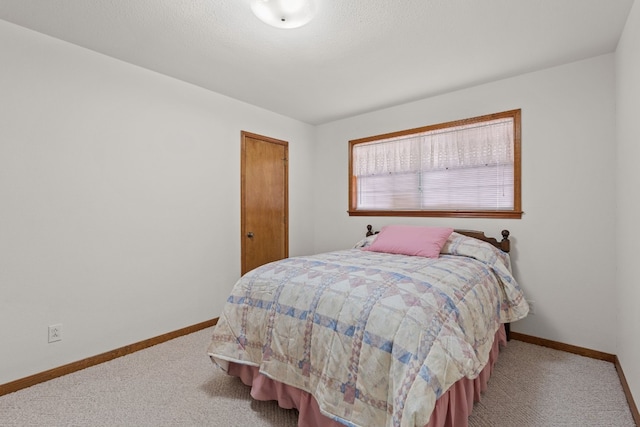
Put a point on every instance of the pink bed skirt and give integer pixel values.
(451, 410)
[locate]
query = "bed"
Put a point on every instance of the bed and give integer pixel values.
(403, 329)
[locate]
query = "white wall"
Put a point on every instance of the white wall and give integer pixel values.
(564, 246)
(628, 242)
(119, 200)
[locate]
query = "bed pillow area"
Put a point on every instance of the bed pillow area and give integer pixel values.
(410, 240)
(365, 242)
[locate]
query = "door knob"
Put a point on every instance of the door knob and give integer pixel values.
(250, 234)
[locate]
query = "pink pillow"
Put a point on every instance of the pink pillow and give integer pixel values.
(410, 240)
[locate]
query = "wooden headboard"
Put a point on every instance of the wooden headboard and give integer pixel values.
(504, 244)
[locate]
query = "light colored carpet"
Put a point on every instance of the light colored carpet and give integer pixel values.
(175, 384)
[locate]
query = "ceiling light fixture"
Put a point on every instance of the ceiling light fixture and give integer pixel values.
(284, 13)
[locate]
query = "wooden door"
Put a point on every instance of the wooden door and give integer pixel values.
(264, 193)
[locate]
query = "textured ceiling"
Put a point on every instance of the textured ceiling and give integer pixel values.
(355, 56)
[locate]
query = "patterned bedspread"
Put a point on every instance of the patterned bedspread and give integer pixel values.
(376, 338)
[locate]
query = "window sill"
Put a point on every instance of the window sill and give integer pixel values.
(441, 214)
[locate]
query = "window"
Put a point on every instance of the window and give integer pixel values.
(466, 168)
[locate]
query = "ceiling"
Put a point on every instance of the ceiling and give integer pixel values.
(355, 56)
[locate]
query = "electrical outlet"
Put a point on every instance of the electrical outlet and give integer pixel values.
(532, 307)
(55, 332)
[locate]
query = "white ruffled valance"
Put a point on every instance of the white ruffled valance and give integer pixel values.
(472, 145)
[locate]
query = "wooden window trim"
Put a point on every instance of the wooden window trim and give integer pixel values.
(515, 213)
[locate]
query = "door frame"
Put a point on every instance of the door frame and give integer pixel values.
(244, 135)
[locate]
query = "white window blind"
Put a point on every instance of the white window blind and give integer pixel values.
(466, 167)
